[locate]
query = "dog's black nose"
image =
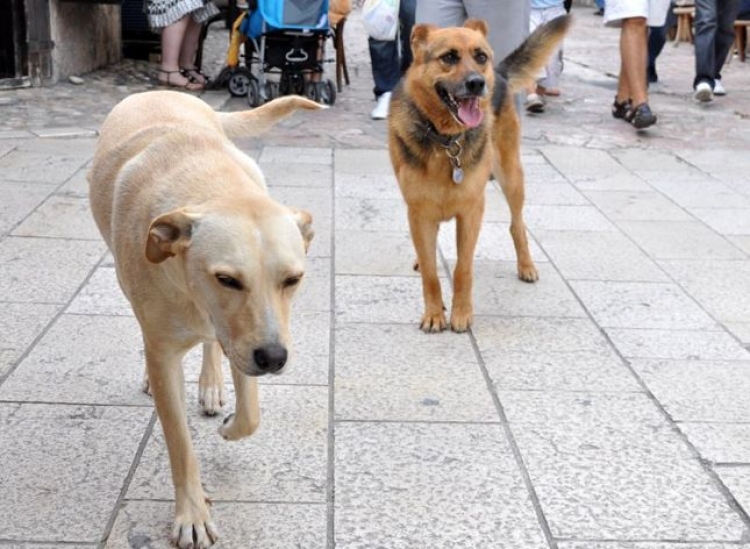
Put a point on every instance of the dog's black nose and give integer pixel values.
(271, 358)
(475, 84)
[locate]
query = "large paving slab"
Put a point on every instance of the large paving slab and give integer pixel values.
(55, 455)
(612, 467)
(437, 485)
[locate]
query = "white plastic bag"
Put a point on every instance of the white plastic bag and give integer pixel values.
(380, 18)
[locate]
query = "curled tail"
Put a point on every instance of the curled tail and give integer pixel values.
(522, 66)
(256, 121)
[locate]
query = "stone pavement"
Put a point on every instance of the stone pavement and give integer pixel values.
(605, 407)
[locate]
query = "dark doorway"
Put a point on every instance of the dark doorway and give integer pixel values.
(13, 53)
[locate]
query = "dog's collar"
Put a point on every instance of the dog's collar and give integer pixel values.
(451, 144)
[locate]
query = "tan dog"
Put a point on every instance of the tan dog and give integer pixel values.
(451, 123)
(205, 256)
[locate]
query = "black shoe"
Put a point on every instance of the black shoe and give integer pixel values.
(600, 11)
(641, 116)
(651, 76)
(619, 110)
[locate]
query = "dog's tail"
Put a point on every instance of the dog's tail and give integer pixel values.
(256, 121)
(522, 66)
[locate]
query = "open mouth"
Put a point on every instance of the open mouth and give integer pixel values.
(465, 109)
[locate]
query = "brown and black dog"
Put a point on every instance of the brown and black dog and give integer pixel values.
(451, 123)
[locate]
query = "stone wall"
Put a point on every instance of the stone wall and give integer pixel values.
(86, 35)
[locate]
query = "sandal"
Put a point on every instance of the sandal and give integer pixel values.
(194, 74)
(619, 110)
(641, 116)
(189, 85)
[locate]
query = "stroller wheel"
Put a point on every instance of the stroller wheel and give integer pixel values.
(327, 92)
(239, 82)
(272, 90)
(312, 91)
(253, 93)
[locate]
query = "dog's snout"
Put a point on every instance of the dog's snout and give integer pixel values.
(475, 84)
(270, 358)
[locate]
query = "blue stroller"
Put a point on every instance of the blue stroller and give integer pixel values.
(285, 40)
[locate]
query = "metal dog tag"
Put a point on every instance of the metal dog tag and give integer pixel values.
(458, 176)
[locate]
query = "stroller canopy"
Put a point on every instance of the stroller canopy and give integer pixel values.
(295, 14)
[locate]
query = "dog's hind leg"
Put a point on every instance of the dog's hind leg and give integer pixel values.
(424, 235)
(510, 173)
(246, 417)
(467, 233)
(211, 381)
(192, 525)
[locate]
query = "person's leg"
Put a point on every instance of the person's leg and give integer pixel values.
(633, 53)
(407, 16)
(385, 65)
(657, 37)
(554, 67)
(508, 26)
(704, 40)
(172, 37)
(725, 17)
(189, 48)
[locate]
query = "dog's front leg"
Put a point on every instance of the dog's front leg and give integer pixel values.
(424, 235)
(192, 525)
(211, 381)
(467, 234)
(246, 417)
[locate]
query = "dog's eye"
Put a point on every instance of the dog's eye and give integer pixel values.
(291, 281)
(481, 57)
(229, 282)
(450, 58)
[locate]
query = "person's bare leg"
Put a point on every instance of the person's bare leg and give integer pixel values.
(172, 38)
(633, 54)
(189, 48)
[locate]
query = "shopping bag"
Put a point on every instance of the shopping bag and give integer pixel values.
(380, 18)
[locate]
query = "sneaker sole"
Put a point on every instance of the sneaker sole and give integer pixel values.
(704, 96)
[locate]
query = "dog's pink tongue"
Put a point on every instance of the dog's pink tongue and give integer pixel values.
(470, 113)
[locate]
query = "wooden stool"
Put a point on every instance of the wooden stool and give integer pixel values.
(685, 16)
(741, 29)
(338, 44)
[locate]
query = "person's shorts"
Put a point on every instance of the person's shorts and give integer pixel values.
(655, 11)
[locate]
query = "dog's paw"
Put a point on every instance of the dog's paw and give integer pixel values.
(527, 272)
(461, 319)
(194, 530)
(234, 429)
(211, 400)
(433, 323)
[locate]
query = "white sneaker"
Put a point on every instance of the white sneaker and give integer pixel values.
(718, 88)
(380, 112)
(534, 103)
(703, 92)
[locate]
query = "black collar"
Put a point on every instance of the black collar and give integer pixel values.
(429, 131)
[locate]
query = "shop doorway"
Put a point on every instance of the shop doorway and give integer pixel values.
(12, 39)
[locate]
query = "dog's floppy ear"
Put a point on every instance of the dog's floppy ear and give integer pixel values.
(168, 235)
(418, 40)
(479, 25)
(304, 222)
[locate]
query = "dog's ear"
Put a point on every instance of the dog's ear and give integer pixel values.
(304, 222)
(479, 25)
(418, 40)
(168, 235)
